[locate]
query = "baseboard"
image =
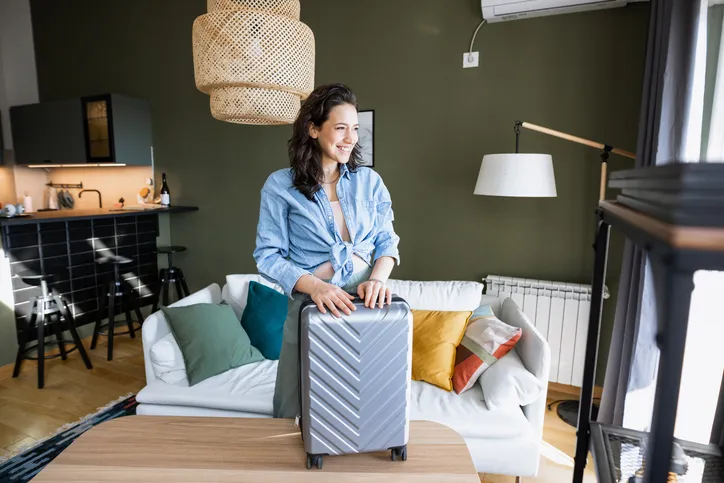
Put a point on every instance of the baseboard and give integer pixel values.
(564, 389)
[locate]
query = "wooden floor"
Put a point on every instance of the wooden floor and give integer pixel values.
(72, 392)
(559, 446)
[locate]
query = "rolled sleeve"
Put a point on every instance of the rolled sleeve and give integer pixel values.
(272, 245)
(386, 241)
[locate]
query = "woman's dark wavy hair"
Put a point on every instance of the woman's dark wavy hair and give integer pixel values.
(305, 155)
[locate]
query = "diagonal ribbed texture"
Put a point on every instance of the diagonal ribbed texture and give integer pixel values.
(355, 379)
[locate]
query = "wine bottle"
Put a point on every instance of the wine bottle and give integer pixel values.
(165, 193)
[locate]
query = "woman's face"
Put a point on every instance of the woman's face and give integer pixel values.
(338, 134)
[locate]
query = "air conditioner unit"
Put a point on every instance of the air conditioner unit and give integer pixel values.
(502, 10)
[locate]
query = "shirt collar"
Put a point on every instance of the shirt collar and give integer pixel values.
(344, 170)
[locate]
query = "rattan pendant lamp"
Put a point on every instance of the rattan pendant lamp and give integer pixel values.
(255, 60)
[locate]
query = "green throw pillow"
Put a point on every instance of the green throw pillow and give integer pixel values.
(211, 340)
(263, 319)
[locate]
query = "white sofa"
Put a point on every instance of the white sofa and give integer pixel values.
(504, 441)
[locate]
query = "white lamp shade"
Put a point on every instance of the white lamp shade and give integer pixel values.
(516, 174)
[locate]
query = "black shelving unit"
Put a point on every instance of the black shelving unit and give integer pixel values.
(619, 455)
(675, 252)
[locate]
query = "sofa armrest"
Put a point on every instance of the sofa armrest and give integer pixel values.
(535, 353)
(155, 326)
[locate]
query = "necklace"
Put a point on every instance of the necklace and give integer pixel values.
(331, 182)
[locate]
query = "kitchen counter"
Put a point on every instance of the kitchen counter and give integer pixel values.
(67, 245)
(62, 215)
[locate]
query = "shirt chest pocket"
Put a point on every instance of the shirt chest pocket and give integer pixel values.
(366, 213)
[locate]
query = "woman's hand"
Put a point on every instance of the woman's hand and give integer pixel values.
(374, 292)
(329, 295)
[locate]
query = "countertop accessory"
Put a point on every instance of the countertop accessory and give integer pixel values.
(65, 185)
(9, 210)
(100, 202)
(28, 203)
(52, 199)
(65, 199)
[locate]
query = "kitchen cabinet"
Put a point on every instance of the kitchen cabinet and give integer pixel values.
(49, 132)
(103, 129)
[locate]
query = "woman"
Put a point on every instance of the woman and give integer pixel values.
(325, 227)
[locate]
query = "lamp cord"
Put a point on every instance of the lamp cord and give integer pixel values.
(470, 51)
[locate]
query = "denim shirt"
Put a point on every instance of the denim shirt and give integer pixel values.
(295, 235)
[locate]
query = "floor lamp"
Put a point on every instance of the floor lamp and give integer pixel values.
(531, 176)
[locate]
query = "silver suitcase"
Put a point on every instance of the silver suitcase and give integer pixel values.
(355, 380)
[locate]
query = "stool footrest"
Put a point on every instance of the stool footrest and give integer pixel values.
(103, 330)
(53, 356)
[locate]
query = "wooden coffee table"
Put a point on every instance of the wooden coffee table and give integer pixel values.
(170, 449)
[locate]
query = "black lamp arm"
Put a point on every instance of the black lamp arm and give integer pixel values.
(605, 153)
(516, 128)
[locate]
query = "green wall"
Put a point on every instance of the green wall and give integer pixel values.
(579, 73)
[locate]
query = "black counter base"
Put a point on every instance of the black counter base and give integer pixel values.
(69, 249)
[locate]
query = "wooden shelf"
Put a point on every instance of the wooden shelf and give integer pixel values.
(681, 237)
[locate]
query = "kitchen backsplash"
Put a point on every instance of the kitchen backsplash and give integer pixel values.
(112, 182)
(7, 184)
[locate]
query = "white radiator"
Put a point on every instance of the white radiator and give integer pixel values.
(559, 311)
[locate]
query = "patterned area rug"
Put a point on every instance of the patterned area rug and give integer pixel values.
(26, 464)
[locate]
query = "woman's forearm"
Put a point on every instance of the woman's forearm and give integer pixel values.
(381, 271)
(307, 284)
(383, 268)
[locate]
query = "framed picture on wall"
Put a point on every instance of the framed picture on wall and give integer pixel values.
(367, 137)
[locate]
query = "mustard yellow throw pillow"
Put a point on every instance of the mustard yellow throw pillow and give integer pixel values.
(435, 337)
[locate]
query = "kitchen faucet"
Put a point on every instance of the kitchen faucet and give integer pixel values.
(100, 203)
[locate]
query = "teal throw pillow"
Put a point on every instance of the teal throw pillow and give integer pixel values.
(211, 340)
(263, 319)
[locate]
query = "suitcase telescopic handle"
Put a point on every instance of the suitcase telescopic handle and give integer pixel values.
(357, 298)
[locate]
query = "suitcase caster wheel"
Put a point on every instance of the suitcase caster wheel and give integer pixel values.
(399, 452)
(313, 460)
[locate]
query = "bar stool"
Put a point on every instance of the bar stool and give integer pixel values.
(170, 275)
(46, 311)
(117, 290)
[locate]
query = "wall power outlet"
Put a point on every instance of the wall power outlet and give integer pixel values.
(470, 59)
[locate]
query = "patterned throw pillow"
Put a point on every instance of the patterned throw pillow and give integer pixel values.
(486, 340)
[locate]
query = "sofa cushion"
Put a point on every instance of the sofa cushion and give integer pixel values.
(466, 413)
(211, 339)
(237, 290)
(167, 361)
(435, 335)
(263, 319)
(508, 383)
(486, 340)
(438, 295)
(247, 388)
